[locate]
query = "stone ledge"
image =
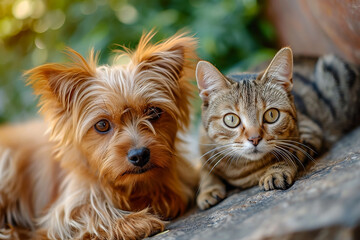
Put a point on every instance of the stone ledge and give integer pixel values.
(323, 204)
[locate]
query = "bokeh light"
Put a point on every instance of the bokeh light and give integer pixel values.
(22, 9)
(127, 14)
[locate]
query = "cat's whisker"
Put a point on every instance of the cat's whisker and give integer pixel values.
(289, 159)
(237, 157)
(301, 150)
(214, 157)
(228, 161)
(283, 156)
(297, 148)
(221, 159)
(290, 137)
(295, 157)
(291, 145)
(216, 148)
(234, 150)
(208, 144)
(275, 153)
(301, 144)
(288, 154)
(212, 150)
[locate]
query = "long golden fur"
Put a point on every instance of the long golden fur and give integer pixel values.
(62, 179)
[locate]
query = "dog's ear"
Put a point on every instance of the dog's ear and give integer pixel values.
(62, 89)
(171, 58)
(172, 63)
(60, 85)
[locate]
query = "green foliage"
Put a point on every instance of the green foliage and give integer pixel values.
(232, 34)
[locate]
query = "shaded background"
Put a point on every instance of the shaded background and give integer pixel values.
(233, 34)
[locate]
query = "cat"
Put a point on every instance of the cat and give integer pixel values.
(262, 128)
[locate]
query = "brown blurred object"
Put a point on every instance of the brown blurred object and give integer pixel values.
(317, 27)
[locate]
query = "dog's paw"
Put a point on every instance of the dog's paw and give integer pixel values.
(209, 197)
(140, 225)
(276, 179)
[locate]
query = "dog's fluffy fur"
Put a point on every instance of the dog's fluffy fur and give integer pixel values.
(71, 182)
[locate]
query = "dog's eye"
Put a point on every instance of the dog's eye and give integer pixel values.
(154, 113)
(102, 126)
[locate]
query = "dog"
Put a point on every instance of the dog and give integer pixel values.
(105, 162)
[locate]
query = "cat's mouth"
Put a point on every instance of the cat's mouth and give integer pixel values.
(255, 154)
(256, 150)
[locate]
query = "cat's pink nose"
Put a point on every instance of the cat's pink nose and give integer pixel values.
(254, 135)
(255, 139)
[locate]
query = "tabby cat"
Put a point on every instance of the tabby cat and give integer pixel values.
(262, 128)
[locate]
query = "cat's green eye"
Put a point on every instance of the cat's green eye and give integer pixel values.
(231, 120)
(271, 115)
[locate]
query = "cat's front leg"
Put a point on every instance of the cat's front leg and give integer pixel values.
(278, 176)
(211, 191)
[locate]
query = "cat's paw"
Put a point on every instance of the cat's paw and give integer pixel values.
(210, 197)
(276, 179)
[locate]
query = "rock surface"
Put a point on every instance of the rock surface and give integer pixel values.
(323, 204)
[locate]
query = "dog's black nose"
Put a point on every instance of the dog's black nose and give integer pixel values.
(139, 156)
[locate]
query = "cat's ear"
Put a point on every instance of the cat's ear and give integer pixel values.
(209, 80)
(280, 69)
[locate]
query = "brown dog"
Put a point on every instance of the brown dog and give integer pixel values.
(105, 163)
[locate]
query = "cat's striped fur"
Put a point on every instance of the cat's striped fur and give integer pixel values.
(317, 101)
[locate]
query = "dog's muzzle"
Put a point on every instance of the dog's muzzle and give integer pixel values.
(139, 156)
